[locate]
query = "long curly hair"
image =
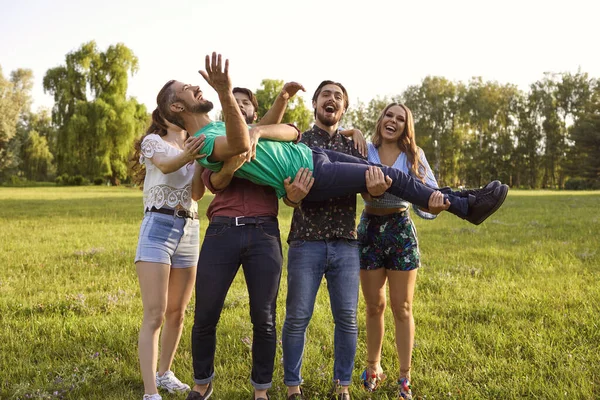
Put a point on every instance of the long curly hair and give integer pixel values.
(164, 99)
(406, 141)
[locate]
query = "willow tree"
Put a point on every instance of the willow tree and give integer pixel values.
(97, 123)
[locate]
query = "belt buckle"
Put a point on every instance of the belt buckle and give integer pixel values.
(182, 215)
(237, 223)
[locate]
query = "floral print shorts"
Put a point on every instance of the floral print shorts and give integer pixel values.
(388, 241)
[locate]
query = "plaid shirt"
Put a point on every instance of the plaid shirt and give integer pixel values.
(334, 218)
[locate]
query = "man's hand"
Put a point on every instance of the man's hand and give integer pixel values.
(377, 184)
(215, 75)
(254, 134)
(295, 192)
(290, 89)
(192, 146)
(437, 204)
(360, 143)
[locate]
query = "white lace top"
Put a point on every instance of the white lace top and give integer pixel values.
(168, 190)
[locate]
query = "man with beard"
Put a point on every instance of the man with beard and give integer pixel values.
(322, 242)
(243, 230)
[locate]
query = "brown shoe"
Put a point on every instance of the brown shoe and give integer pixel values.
(296, 396)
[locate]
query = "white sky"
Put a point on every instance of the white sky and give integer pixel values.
(374, 47)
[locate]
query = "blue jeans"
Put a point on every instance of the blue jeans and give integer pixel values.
(258, 249)
(338, 174)
(308, 261)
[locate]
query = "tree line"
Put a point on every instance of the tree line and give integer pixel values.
(545, 137)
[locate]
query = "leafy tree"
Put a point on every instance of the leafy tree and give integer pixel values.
(296, 111)
(36, 152)
(434, 104)
(97, 122)
(585, 134)
(15, 98)
(37, 158)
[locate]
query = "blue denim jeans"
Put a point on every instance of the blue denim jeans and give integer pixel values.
(258, 249)
(338, 174)
(308, 261)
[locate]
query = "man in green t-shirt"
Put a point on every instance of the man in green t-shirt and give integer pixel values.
(274, 157)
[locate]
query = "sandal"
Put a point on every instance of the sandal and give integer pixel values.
(404, 390)
(371, 381)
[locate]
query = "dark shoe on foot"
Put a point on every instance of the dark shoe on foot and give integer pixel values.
(296, 396)
(484, 203)
(193, 395)
(490, 186)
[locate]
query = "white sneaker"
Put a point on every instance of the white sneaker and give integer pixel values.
(170, 382)
(155, 396)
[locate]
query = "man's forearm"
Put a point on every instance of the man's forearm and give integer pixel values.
(238, 139)
(220, 180)
(275, 113)
(278, 132)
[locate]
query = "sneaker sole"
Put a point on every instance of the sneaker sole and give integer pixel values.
(496, 207)
(173, 391)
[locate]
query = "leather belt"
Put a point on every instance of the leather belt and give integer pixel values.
(180, 213)
(241, 221)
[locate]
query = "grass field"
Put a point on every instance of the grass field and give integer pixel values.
(506, 310)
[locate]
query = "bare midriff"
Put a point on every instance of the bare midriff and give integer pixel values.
(383, 211)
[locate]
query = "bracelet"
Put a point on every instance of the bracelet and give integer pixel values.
(294, 203)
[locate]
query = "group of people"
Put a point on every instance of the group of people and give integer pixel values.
(249, 165)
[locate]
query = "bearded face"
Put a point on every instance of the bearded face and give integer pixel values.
(329, 105)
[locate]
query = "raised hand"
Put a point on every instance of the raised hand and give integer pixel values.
(290, 89)
(216, 75)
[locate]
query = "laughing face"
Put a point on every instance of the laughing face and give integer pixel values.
(329, 105)
(191, 98)
(246, 107)
(393, 124)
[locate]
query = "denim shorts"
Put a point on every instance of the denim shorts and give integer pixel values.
(166, 239)
(388, 241)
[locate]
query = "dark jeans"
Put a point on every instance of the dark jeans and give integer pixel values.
(258, 249)
(338, 174)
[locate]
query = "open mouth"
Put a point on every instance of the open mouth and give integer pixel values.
(390, 129)
(329, 108)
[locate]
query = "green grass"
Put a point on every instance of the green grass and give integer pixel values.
(509, 309)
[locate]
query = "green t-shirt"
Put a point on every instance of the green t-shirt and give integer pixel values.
(275, 161)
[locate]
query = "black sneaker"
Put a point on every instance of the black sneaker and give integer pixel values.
(490, 186)
(483, 203)
(193, 395)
